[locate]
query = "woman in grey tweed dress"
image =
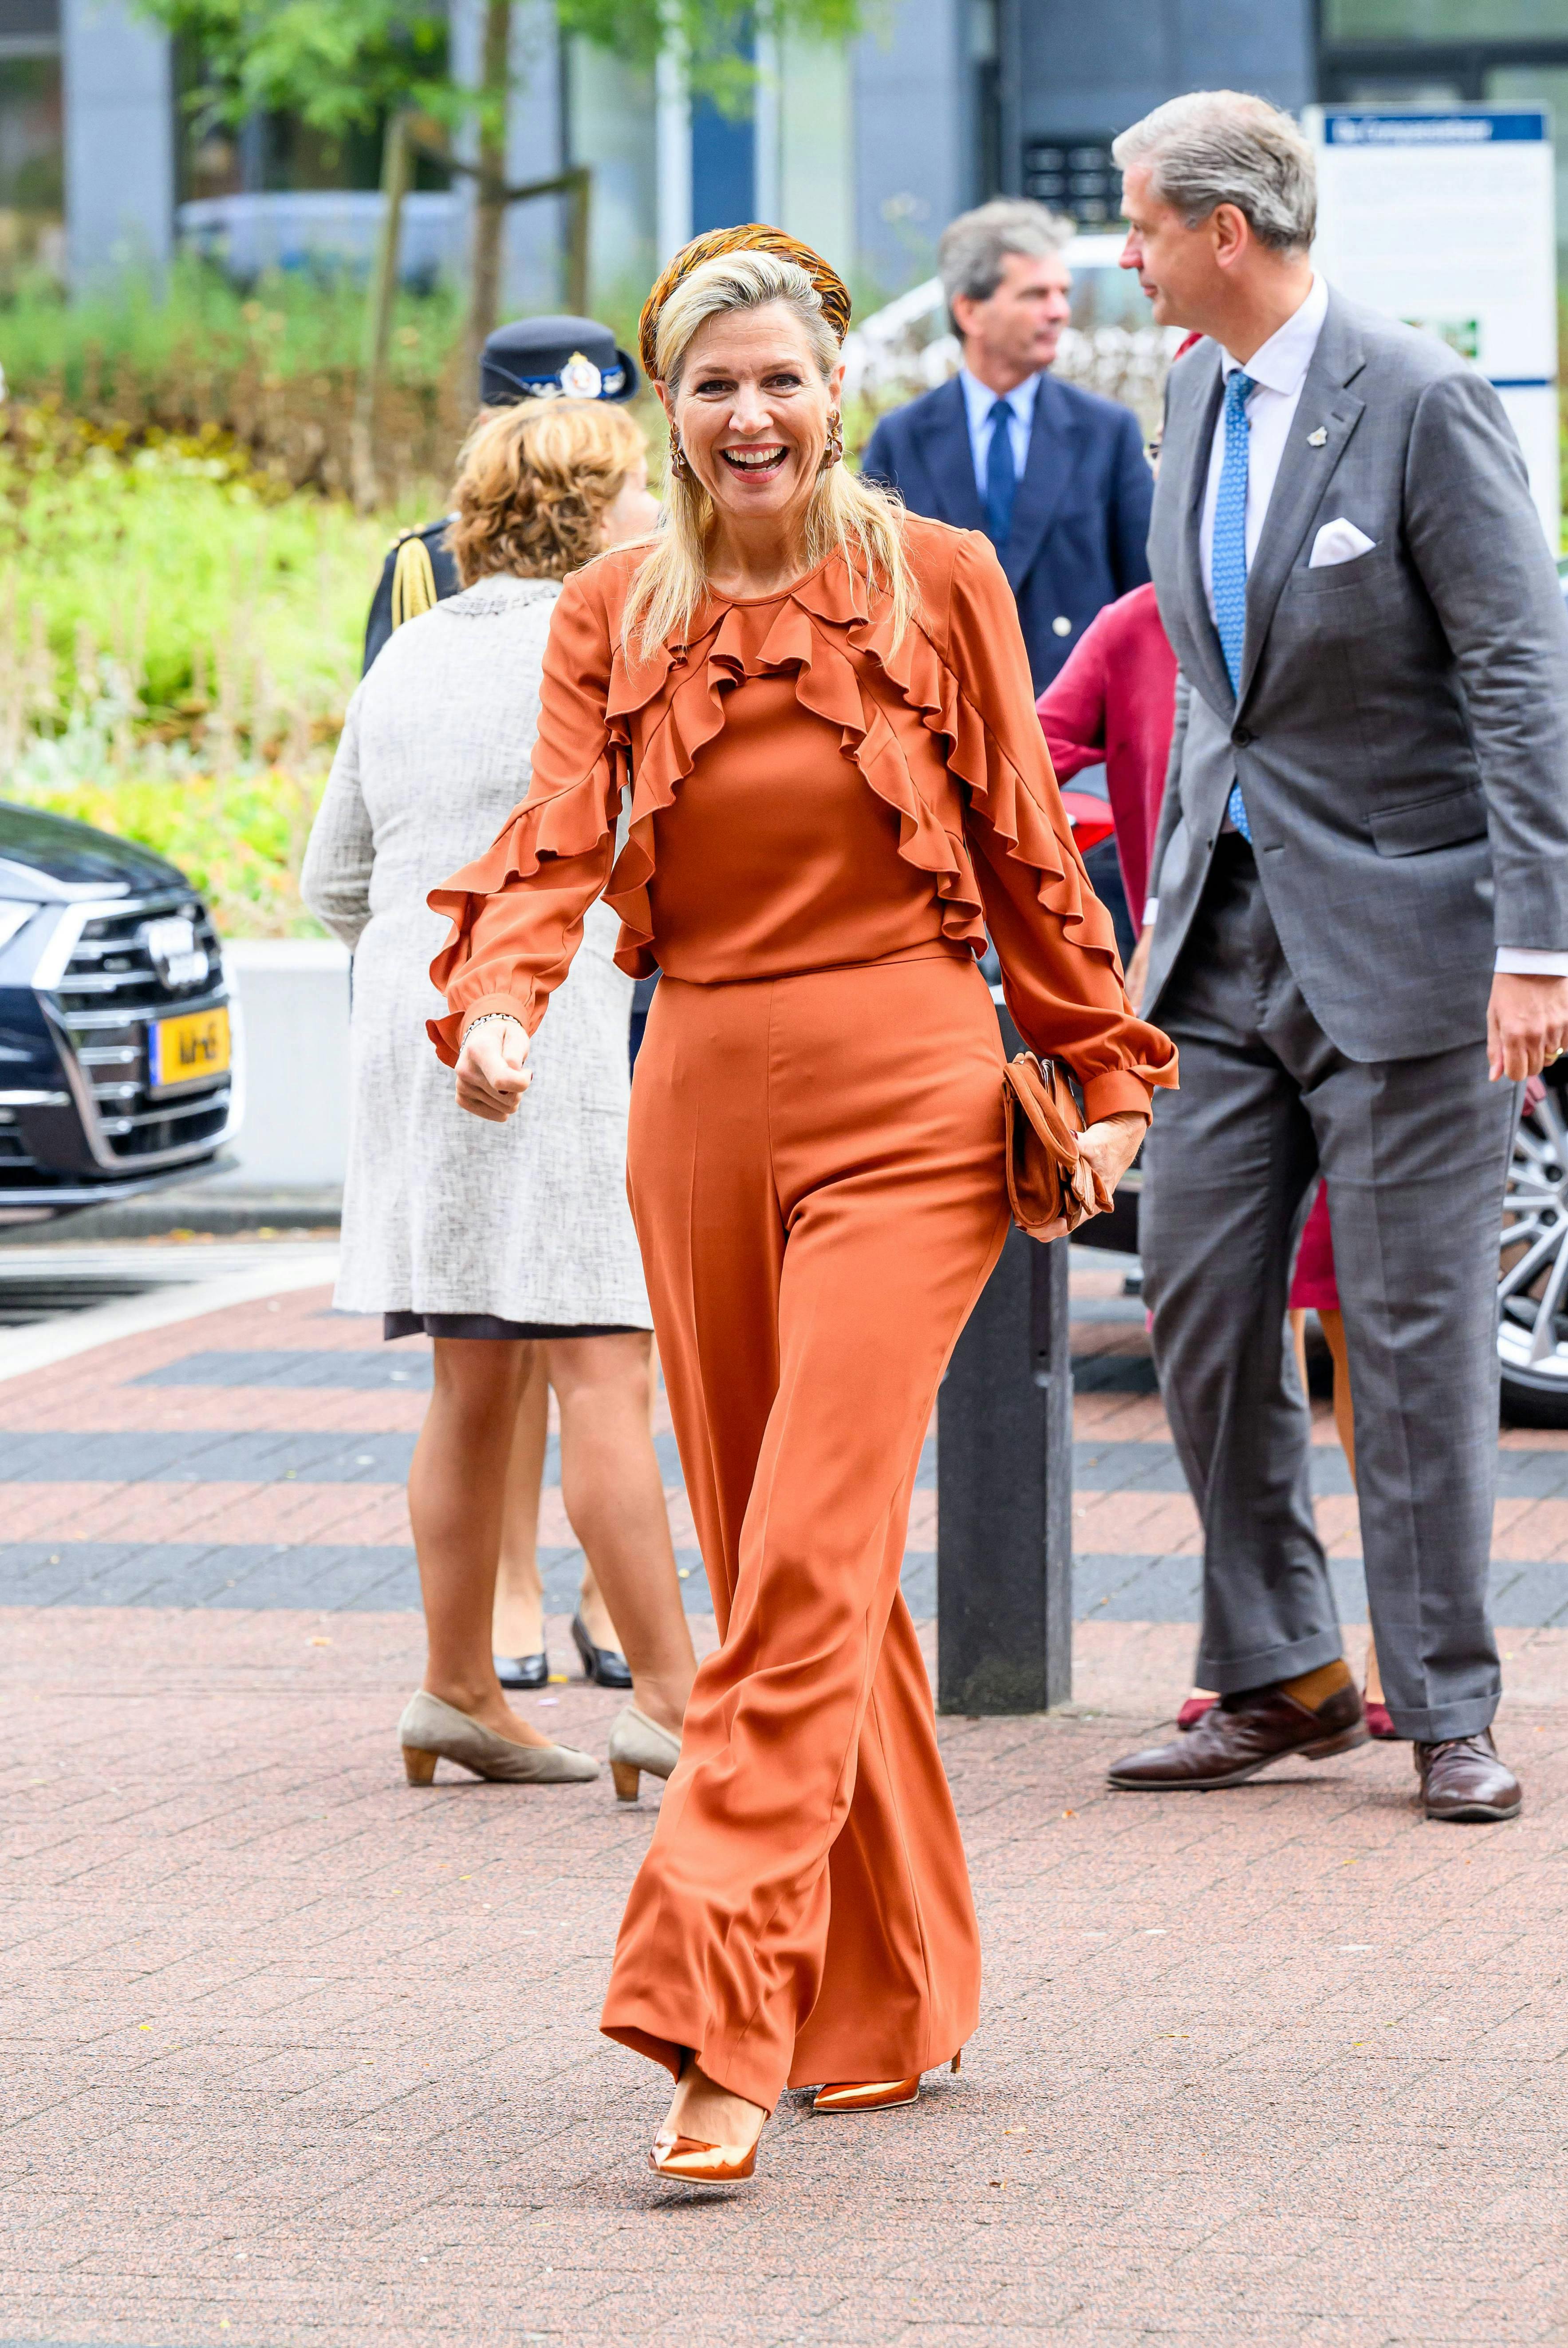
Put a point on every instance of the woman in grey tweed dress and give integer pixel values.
(503, 1244)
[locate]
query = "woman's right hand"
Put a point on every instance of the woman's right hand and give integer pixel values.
(492, 1071)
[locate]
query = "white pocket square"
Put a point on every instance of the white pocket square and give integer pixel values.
(1338, 541)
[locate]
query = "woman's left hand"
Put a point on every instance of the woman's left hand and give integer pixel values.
(1113, 1144)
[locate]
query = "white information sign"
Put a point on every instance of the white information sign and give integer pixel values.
(1447, 220)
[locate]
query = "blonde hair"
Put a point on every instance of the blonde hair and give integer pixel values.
(534, 482)
(847, 516)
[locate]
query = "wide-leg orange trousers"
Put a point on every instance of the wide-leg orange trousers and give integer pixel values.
(816, 1174)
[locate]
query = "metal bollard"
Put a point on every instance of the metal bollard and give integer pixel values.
(1004, 1489)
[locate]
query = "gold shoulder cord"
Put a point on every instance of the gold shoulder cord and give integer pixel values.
(413, 581)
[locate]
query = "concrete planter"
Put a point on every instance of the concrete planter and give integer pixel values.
(292, 1012)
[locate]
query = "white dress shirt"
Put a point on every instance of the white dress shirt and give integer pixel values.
(1278, 368)
(979, 401)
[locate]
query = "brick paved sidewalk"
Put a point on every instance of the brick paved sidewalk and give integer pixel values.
(290, 2054)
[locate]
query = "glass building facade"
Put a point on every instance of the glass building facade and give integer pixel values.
(32, 142)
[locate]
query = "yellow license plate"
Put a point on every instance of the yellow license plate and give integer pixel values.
(189, 1050)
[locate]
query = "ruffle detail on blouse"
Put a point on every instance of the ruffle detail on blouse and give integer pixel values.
(978, 757)
(845, 670)
(848, 672)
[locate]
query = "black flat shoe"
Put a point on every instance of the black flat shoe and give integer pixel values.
(522, 1671)
(604, 1665)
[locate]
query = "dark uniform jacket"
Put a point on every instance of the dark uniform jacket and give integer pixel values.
(1081, 516)
(418, 571)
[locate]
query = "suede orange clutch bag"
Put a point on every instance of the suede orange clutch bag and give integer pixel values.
(1051, 1189)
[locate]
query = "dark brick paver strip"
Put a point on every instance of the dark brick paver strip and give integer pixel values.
(291, 2056)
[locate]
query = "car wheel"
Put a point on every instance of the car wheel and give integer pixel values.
(1533, 1286)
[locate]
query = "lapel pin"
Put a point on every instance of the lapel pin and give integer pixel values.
(1317, 440)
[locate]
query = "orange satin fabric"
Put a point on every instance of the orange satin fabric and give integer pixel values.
(803, 794)
(816, 1220)
(819, 828)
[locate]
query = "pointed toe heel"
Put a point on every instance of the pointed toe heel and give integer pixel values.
(866, 2094)
(686, 2161)
(431, 1730)
(872, 2095)
(605, 1666)
(636, 1743)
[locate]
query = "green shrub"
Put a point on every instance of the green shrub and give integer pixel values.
(220, 602)
(180, 635)
(239, 839)
(275, 369)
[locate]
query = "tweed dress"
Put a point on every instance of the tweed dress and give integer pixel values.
(443, 1213)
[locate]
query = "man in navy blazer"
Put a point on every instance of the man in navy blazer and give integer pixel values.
(1055, 477)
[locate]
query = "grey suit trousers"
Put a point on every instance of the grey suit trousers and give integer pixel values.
(1414, 1153)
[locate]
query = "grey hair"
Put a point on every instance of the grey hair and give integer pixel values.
(975, 247)
(1222, 147)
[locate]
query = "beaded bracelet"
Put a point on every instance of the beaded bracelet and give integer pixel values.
(484, 1019)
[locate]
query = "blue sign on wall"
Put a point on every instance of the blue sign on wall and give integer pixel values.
(1358, 126)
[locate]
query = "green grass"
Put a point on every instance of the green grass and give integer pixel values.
(187, 571)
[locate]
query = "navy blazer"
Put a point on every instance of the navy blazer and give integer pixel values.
(1080, 520)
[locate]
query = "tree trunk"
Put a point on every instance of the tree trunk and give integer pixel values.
(580, 180)
(381, 296)
(489, 199)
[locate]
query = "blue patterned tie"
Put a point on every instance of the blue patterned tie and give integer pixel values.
(1001, 476)
(1230, 554)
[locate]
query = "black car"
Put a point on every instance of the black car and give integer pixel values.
(118, 1061)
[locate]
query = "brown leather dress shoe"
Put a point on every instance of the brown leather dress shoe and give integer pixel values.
(1227, 1746)
(1464, 1781)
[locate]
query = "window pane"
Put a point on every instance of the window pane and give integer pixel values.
(1444, 20)
(32, 157)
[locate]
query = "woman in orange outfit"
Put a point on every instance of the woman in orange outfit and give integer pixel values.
(812, 716)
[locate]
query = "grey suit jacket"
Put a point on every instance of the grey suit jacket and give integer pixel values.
(1400, 733)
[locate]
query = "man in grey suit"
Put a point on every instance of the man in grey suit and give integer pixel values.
(1359, 901)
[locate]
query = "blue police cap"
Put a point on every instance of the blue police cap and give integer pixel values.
(553, 358)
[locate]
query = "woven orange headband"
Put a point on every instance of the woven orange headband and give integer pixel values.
(755, 238)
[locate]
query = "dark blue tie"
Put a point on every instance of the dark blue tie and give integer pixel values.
(1001, 476)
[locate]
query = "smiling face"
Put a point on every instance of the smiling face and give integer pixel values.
(751, 411)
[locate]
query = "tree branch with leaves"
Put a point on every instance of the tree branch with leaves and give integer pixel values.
(346, 65)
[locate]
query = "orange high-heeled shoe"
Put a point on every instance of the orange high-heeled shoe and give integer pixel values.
(872, 2095)
(689, 2161)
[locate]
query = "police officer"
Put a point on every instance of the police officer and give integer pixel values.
(533, 358)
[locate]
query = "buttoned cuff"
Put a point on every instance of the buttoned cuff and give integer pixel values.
(1150, 912)
(1532, 962)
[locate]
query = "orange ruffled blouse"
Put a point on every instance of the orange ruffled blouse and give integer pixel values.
(802, 795)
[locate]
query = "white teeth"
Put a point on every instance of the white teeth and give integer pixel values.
(751, 460)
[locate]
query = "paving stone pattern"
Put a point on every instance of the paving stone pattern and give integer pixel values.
(258, 1458)
(295, 2056)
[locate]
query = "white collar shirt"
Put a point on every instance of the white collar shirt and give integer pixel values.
(979, 401)
(1278, 369)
